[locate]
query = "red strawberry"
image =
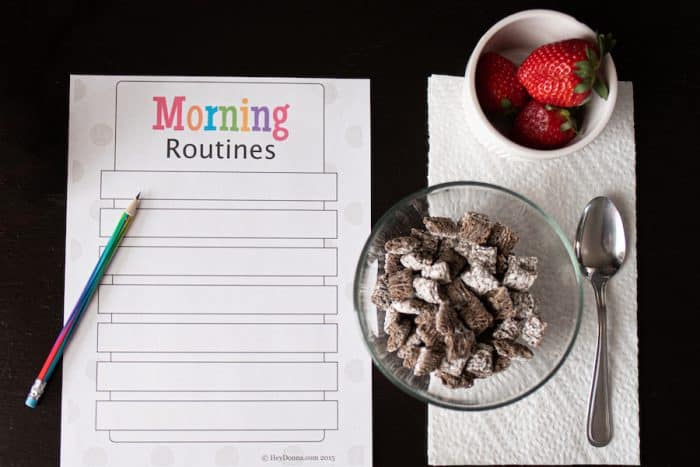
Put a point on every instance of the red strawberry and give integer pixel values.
(542, 126)
(497, 85)
(563, 73)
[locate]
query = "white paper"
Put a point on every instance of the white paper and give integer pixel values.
(223, 332)
(549, 426)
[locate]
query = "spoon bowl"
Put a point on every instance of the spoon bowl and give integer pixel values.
(600, 241)
(600, 248)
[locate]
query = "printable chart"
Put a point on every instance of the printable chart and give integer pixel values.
(223, 332)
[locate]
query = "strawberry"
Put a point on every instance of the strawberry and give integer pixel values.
(563, 73)
(497, 85)
(542, 126)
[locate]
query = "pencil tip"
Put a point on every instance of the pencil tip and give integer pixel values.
(138, 195)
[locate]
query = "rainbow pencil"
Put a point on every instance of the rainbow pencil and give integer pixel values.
(83, 301)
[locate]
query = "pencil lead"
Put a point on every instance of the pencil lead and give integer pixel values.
(138, 195)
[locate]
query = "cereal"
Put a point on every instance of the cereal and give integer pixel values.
(380, 295)
(501, 264)
(409, 355)
(480, 364)
(398, 333)
(501, 303)
(485, 256)
(425, 328)
(462, 247)
(533, 330)
(413, 340)
(476, 317)
(391, 318)
(508, 329)
(438, 271)
(524, 304)
(479, 279)
(400, 285)
(429, 359)
(453, 367)
(512, 350)
(503, 238)
(447, 253)
(459, 343)
(501, 363)
(441, 226)
(458, 292)
(392, 263)
(455, 300)
(401, 245)
(475, 228)
(446, 319)
(427, 289)
(521, 273)
(413, 306)
(428, 243)
(416, 260)
(463, 381)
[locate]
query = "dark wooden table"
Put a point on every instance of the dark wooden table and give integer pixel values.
(396, 45)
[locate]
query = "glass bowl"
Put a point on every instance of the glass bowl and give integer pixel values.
(557, 290)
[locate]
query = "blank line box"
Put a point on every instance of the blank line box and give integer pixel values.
(224, 261)
(210, 415)
(225, 223)
(233, 186)
(221, 436)
(218, 299)
(263, 338)
(217, 376)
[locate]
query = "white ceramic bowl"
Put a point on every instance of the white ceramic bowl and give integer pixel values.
(515, 37)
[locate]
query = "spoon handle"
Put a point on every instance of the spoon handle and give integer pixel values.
(600, 428)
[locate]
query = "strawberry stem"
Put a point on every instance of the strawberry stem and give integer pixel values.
(605, 44)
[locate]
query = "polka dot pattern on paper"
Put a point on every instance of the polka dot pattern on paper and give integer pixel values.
(91, 370)
(355, 370)
(353, 136)
(76, 250)
(70, 412)
(352, 214)
(76, 171)
(95, 210)
(95, 457)
(356, 455)
(331, 93)
(101, 134)
(78, 89)
(162, 456)
(226, 456)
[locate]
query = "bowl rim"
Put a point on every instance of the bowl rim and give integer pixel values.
(517, 150)
(427, 397)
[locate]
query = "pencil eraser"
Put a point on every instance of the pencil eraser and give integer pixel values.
(30, 402)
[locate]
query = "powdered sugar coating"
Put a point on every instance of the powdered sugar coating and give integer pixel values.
(479, 279)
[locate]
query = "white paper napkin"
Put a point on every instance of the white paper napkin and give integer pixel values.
(549, 426)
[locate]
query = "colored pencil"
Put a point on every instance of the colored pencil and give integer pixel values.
(64, 336)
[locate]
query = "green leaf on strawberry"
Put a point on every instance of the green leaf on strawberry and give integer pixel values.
(601, 89)
(583, 86)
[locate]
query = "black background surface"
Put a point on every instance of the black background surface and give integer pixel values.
(398, 46)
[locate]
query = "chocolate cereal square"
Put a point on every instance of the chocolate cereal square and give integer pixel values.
(475, 228)
(521, 273)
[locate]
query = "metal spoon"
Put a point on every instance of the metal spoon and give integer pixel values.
(600, 248)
